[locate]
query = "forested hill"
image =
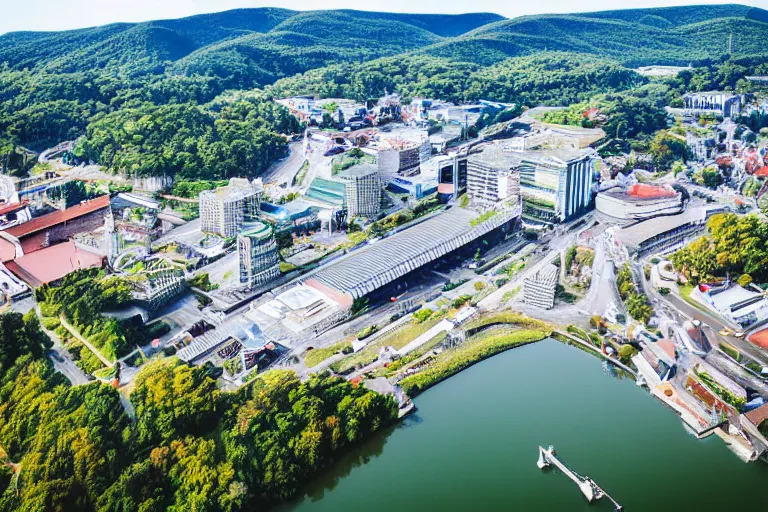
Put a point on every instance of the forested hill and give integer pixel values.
(107, 83)
(150, 46)
(674, 36)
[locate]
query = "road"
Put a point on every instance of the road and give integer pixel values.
(283, 171)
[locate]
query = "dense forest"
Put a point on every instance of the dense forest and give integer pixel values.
(156, 98)
(188, 446)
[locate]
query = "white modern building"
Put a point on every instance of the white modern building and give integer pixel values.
(725, 103)
(362, 190)
(493, 180)
(226, 210)
(540, 288)
(638, 202)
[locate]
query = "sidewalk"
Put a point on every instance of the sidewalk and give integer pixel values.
(84, 341)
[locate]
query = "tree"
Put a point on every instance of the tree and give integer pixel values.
(173, 400)
(626, 353)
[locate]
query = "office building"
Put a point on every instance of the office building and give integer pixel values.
(556, 184)
(259, 257)
(362, 190)
(226, 210)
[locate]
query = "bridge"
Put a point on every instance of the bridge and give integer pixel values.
(588, 487)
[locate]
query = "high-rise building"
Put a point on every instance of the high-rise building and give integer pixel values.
(259, 257)
(493, 180)
(226, 210)
(362, 190)
(557, 184)
(451, 177)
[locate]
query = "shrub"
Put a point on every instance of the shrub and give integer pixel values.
(461, 300)
(479, 286)
(744, 280)
(422, 315)
(664, 291)
(627, 352)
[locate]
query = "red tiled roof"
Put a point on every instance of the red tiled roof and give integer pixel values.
(759, 415)
(648, 191)
(53, 263)
(7, 250)
(762, 172)
(55, 218)
(13, 207)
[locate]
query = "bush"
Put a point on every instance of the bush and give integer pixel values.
(479, 286)
(367, 331)
(744, 280)
(626, 353)
(461, 300)
(664, 291)
(422, 315)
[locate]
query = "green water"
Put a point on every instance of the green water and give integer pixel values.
(473, 445)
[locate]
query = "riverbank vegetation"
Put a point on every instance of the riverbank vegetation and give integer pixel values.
(190, 446)
(452, 361)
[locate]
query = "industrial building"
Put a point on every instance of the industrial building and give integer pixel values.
(556, 184)
(362, 190)
(540, 288)
(259, 258)
(638, 202)
(226, 210)
(373, 267)
(493, 180)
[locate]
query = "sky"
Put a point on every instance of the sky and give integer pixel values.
(69, 14)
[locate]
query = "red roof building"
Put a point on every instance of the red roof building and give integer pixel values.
(52, 263)
(59, 226)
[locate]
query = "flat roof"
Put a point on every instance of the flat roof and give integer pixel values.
(636, 234)
(53, 263)
(55, 218)
(376, 265)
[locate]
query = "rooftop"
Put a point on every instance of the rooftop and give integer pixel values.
(636, 234)
(359, 170)
(55, 218)
(53, 263)
(257, 229)
(376, 265)
(640, 192)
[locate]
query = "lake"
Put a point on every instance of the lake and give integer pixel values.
(473, 445)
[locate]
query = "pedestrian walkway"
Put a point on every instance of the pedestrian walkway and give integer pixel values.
(442, 326)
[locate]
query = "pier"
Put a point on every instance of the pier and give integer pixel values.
(588, 487)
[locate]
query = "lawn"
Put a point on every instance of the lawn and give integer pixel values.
(398, 338)
(316, 356)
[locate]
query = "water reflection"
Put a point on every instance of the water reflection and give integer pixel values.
(357, 456)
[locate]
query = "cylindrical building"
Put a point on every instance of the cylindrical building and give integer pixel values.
(259, 257)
